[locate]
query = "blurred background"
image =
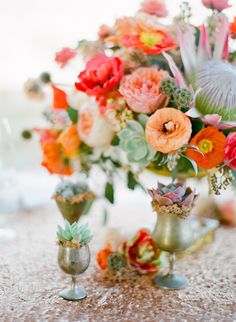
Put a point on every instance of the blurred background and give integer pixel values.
(31, 32)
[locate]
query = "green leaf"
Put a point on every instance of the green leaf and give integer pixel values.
(109, 192)
(115, 141)
(105, 217)
(193, 163)
(131, 181)
(73, 114)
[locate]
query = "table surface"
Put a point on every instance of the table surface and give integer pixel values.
(30, 281)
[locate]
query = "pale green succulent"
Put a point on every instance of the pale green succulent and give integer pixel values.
(168, 86)
(68, 189)
(133, 142)
(74, 233)
(216, 83)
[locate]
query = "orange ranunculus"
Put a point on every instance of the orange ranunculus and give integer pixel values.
(102, 257)
(232, 28)
(211, 142)
(59, 98)
(168, 129)
(152, 42)
(70, 141)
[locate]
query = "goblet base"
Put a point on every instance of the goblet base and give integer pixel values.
(75, 294)
(171, 281)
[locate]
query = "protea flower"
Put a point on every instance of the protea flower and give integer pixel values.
(173, 194)
(217, 95)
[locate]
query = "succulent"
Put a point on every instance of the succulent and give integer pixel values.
(168, 86)
(74, 234)
(173, 194)
(68, 189)
(116, 261)
(182, 97)
(217, 94)
(133, 142)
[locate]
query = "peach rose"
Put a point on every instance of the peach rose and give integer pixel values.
(168, 129)
(154, 7)
(93, 128)
(141, 90)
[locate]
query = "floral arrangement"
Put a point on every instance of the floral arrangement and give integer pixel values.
(173, 198)
(150, 96)
(139, 254)
(73, 236)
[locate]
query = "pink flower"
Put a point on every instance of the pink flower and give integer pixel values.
(154, 7)
(228, 212)
(216, 4)
(102, 74)
(230, 151)
(141, 90)
(63, 56)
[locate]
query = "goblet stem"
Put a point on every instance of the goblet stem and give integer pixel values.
(73, 283)
(171, 263)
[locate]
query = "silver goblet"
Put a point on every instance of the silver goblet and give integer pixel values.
(74, 262)
(172, 234)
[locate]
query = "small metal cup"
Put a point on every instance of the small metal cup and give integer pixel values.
(74, 262)
(172, 234)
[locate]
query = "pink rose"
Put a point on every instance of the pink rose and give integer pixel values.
(230, 151)
(154, 7)
(63, 56)
(101, 75)
(141, 90)
(216, 4)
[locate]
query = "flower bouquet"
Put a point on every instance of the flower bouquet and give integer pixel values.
(149, 96)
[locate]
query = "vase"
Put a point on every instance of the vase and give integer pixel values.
(71, 212)
(73, 261)
(172, 234)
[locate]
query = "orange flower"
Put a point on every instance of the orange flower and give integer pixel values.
(152, 42)
(102, 257)
(53, 157)
(59, 98)
(232, 28)
(211, 142)
(168, 129)
(70, 141)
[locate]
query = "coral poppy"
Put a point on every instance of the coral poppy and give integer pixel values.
(232, 28)
(211, 143)
(59, 98)
(64, 56)
(142, 253)
(168, 129)
(102, 74)
(70, 141)
(102, 257)
(152, 42)
(141, 90)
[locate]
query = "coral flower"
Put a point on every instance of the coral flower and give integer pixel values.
(70, 141)
(102, 74)
(141, 90)
(151, 42)
(154, 7)
(216, 4)
(232, 28)
(59, 98)
(211, 143)
(230, 151)
(64, 56)
(168, 129)
(142, 253)
(102, 257)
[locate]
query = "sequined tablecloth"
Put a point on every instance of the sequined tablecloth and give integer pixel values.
(30, 281)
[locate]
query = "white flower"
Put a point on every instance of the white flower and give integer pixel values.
(93, 128)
